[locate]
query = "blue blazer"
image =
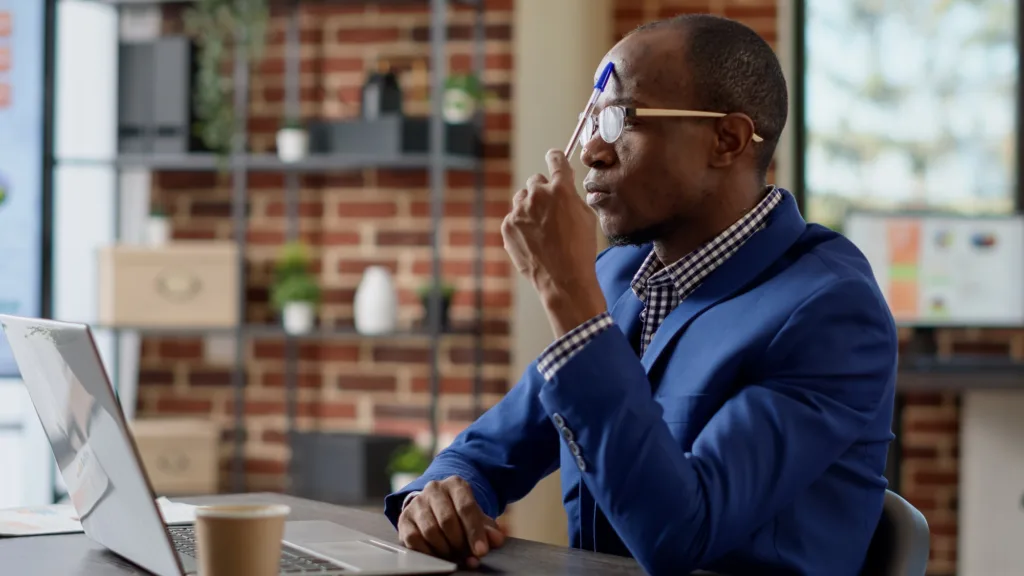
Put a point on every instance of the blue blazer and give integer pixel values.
(751, 437)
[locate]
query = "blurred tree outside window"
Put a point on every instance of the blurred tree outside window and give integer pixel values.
(909, 104)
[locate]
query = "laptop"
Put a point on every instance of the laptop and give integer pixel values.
(108, 486)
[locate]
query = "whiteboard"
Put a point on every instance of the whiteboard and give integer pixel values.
(945, 270)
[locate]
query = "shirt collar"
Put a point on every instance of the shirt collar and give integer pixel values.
(654, 273)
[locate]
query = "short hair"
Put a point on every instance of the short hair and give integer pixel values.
(734, 70)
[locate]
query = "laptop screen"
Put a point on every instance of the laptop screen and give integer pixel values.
(86, 429)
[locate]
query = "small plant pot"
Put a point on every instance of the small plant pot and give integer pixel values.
(298, 317)
(158, 230)
(400, 480)
(446, 305)
(292, 144)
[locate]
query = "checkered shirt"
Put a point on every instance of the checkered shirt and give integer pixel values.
(661, 288)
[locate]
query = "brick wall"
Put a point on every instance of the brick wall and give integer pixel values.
(930, 421)
(352, 219)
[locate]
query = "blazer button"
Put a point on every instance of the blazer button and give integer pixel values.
(567, 434)
(581, 464)
(575, 449)
(558, 420)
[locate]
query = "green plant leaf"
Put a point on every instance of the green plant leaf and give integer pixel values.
(409, 459)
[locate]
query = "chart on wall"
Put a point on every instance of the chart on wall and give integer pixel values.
(21, 162)
(945, 270)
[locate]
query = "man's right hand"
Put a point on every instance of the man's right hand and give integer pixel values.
(445, 521)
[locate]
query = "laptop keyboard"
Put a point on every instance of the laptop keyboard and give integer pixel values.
(292, 561)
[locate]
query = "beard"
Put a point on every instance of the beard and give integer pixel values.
(640, 236)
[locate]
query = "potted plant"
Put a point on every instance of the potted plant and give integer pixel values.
(292, 141)
(219, 28)
(158, 227)
(406, 465)
(295, 292)
(462, 94)
(447, 293)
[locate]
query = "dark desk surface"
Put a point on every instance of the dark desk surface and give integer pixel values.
(77, 555)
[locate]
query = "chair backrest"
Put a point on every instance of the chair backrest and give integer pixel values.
(901, 542)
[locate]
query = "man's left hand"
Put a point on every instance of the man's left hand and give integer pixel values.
(551, 237)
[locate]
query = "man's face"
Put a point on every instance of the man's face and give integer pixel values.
(655, 176)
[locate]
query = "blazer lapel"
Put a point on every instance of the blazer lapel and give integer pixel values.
(784, 227)
(626, 313)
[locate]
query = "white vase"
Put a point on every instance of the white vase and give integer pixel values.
(292, 144)
(376, 302)
(299, 317)
(158, 231)
(400, 480)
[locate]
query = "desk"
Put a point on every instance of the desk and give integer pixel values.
(77, 555)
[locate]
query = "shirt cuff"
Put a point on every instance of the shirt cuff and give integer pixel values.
(559, 352)
(409, 497)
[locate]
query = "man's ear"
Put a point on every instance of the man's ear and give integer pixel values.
(734, 134)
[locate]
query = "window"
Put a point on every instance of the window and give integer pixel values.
(907, 104)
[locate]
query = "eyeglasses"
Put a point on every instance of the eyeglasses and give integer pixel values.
(610, 121)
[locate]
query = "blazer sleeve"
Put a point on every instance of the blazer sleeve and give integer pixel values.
(827, 371)
(502, 455)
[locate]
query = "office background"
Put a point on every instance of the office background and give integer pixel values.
(896, 107)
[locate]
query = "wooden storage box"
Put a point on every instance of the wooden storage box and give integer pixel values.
(179, 454)
(183, 284)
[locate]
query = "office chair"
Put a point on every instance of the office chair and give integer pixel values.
(901, 542)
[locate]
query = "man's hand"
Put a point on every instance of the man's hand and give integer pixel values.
(550, 236)
(445, 521)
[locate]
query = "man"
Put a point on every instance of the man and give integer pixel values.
(719, 394)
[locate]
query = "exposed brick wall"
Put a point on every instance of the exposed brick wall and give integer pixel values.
(353, 220)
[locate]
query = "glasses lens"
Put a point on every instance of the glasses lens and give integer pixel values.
(610, 123)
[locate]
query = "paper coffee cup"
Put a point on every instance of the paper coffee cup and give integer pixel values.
(240, 540)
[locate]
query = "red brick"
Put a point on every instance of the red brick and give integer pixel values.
(329, 410)
(492, 209)
(950, 426)
(759, 10)
(930, 478)
(339, 295)
(498, 121)
(401, 411)
(303, 379)
(275, 350)
(366, 383)
(209, 377)
(156, 377)
(265, 466)
(982, 348)
(403, 179)
(343, 65)
(273, 181)
(942, 528)
(367, 35)
(403, 238)
(276, 95)
(195, 234)
(334, 352)
(274, 437)
(460, 414)
(181, 349)
(468, 355)
(184, 180)
(276, 66)
(922, 399)
(367, 209)
(463, 63)
(919, 452)
(265, 237)
(340, 238)
(401, 355)
(262, 407)
(175, 405)
(305, 209)
(468, 238)
(353, 266)
(462, 385)
(492, 299)
(492, 268)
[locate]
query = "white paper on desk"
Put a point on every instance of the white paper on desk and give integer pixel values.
(63, 519)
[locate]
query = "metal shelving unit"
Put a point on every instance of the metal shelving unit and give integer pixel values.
(241, 163)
